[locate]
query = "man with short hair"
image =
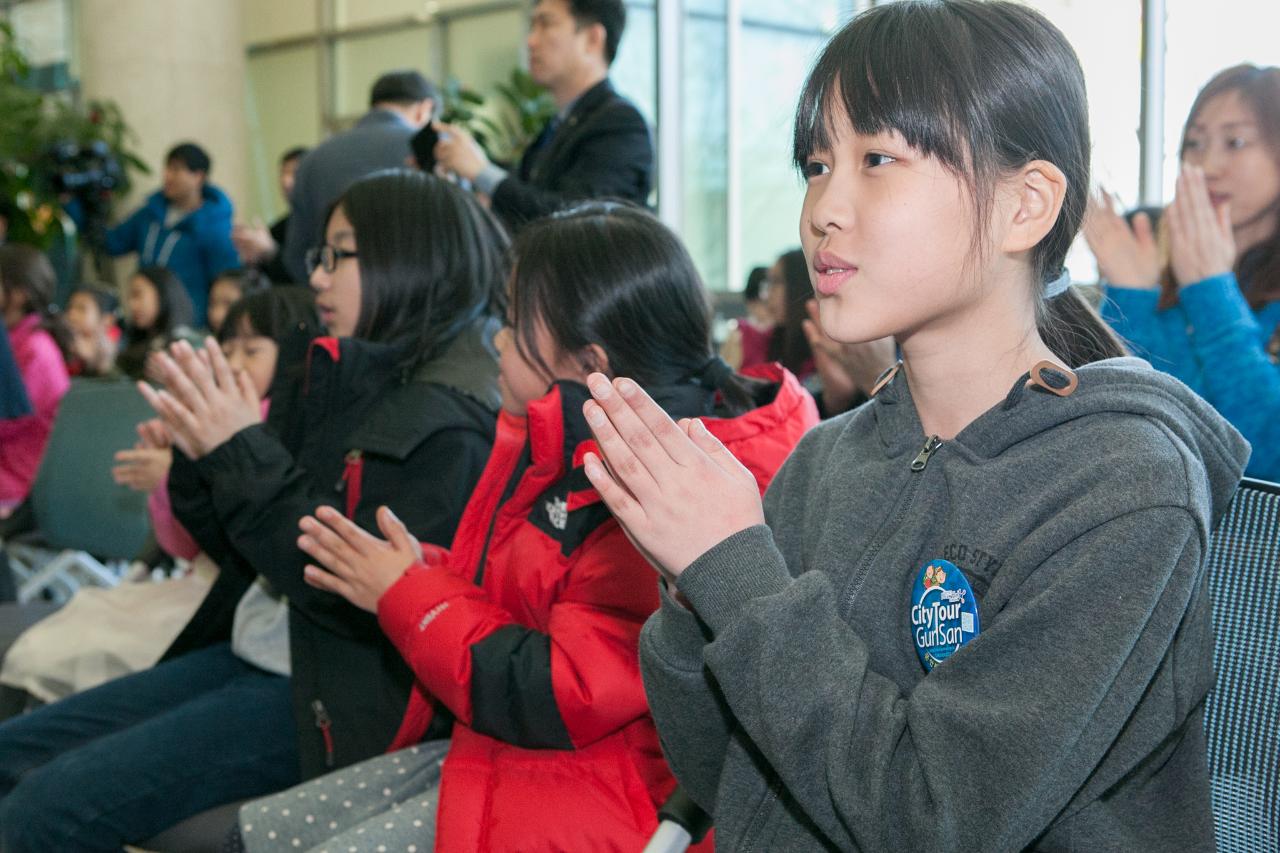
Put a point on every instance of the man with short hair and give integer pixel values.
(260, 246)
(597, 145)
(185, 226)
(400, 104)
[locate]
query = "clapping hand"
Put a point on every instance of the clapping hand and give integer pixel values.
(354, 564)
(204, 403)
(1127, 256)
(846, 369)
(146, 465)
(674, 488)
(1202, 244)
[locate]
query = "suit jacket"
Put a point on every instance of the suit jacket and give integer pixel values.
(601, 150)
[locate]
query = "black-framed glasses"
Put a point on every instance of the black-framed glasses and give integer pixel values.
(326, 257)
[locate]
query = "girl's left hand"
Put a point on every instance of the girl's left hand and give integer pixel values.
(354, 564)
(675, 489)
(203, 404)
(1202, 244)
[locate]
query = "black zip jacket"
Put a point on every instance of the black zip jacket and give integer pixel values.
(358, 437)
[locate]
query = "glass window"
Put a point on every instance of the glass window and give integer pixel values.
(360, 60)
(485, 49)
(1201, 40)
(704, 116)
(634, 72)
(279, 19)
(283, 107)
(778, 44)
(1111, 57)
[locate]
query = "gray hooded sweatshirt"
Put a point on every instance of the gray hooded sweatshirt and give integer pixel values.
(795, 709)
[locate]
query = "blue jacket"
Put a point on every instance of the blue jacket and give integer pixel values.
(195, 249)
(1217, 345)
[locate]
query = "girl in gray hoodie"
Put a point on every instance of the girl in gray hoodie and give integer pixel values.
(970, 615)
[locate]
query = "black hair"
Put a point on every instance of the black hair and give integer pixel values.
(787, 342)
(108, 302)
(27, 271)
(986, 88)
(250, 279)
(175, 305)
(1258, 269)
(610, 14)
(273, 313)
(612, 275)
(195, 158)
(287, 315)
(402, 87)
(295, 153)
(755, 280)
(432, 260)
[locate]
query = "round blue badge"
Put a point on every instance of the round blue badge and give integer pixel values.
(944, 612)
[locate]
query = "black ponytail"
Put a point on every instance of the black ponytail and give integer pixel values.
(612, 275)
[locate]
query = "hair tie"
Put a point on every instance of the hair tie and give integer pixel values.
(713, 374)
(1058, 286)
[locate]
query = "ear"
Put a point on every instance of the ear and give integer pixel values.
(595, 38)
(593, 359)
(1036, 192)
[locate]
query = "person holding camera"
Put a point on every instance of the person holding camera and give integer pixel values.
(185, 226)
(596, 146)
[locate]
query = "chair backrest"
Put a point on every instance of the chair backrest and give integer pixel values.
(76, 503)
(1242, 717)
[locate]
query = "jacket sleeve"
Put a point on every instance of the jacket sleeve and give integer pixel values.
(565, 688)
(259, 493)
(1241, 381)
(614, 161)
(126, 236)
(217, 250)
(989, 748)
(1160, 337)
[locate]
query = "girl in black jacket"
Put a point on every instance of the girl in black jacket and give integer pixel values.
(398, 408)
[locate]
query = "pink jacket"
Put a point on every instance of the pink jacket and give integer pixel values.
(22, 440)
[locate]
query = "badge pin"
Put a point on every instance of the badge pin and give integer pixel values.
(944, 612)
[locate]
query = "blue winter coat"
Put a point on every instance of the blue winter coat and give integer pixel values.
(195, 249)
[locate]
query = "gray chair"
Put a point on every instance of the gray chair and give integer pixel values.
(86, 526)
(1242, 716)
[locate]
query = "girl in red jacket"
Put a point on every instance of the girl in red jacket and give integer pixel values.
(525, 632)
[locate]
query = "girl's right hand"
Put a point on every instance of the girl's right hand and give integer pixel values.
(1127, 257)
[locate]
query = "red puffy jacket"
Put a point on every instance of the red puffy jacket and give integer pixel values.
(527, 632)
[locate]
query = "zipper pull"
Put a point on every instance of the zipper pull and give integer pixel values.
(324, 724)
(349, 461)
(931, 445)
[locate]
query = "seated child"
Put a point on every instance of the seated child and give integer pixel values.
(157, 311)
(95, 335)
(40, 342)
(526, 632)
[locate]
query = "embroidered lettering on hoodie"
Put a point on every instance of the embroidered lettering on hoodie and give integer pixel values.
(971, 559)
(431, 614)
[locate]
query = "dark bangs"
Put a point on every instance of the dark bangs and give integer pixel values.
(985, 87)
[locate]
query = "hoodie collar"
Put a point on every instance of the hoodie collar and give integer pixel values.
(1112, 386)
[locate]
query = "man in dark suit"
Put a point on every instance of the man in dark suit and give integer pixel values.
(597, 145)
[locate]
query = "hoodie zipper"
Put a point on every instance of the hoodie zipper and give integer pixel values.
(931, 445)
(905, 501)
(325, 724)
